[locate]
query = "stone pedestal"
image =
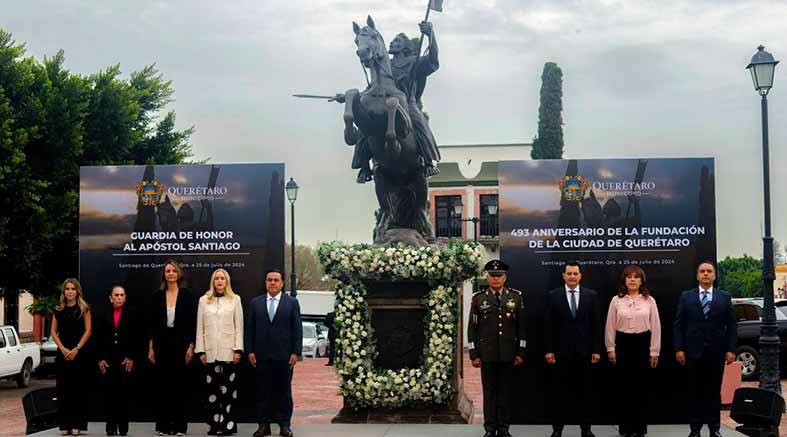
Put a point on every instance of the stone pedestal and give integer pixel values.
(397, 322)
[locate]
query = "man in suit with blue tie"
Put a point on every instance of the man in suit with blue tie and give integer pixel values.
(705, 336)
(274, 339)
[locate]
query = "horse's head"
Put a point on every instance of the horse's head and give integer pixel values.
(371, 47)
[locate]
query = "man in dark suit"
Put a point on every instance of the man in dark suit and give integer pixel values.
(119, 343)
(274, 339)
(330, 321)
(705, 334)
(573, 337)
(496, 340)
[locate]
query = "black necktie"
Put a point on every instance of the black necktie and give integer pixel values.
(573, 303)
(497, 298)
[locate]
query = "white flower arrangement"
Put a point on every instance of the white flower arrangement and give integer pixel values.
(363, 385)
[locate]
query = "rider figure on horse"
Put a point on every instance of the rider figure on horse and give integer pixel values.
(412, 81)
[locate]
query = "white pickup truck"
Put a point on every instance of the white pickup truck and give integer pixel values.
(17, 360)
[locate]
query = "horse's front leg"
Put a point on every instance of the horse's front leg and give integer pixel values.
(350, 131)
(393, 146)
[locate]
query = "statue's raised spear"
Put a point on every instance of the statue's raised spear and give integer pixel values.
(315, 96)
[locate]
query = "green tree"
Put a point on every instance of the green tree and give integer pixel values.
(308, 271)
(51, 122)
(549, 142)
(778, 253)
(741, 276)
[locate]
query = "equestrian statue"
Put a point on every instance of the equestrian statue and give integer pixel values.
(386, 125)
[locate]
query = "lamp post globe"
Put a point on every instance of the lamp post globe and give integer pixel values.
(762, 68)
(292, 190)
(492, 208)
(457, 206)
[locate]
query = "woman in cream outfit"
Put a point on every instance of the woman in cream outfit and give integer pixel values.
(219, 343)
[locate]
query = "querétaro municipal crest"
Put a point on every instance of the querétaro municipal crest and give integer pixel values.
(149, 192)
(573, 188)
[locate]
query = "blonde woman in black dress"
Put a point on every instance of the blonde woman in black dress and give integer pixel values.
(71, 329)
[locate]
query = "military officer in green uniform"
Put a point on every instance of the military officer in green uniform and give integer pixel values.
(496, 339)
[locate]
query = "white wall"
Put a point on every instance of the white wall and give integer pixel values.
(469, 158)
(316, 303)
(25, 318)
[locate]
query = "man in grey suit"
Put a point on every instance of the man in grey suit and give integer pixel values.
(705, 336)
(274, 338)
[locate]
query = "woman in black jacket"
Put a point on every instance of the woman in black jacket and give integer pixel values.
(119, 345)
(171, 347)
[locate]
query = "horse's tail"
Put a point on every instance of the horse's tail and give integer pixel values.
(405, 209)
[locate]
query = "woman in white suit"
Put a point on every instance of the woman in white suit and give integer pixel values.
(219, 343)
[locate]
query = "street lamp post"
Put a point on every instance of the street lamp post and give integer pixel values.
(490, 208)
(458, 212)
(292, 195)
(762, 67)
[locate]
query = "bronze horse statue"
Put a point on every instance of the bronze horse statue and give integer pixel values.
(378, 115)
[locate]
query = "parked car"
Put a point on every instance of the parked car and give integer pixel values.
(749, 312)
(48, 356)
(17, 359)
(323, 330)
(314, 343)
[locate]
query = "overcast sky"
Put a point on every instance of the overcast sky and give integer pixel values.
(641, 79)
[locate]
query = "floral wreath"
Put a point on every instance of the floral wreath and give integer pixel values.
(443, 268)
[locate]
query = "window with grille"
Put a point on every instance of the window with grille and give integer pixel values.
(447, 224)
(489, 226)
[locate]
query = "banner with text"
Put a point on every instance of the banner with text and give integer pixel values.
(606, 214)
(133, 218)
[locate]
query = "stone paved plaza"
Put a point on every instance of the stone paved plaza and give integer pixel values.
(341, 430)
(317, 402)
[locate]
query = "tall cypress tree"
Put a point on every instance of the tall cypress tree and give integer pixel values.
(549, 142)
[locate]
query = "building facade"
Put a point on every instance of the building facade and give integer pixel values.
(780, 283)
(463, 198)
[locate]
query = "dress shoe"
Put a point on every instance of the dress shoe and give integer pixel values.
(504, 434)
(489, 434)
(694, 434)
(587, 433)
(263, 430)
(715, 434)
(556, 433)
(285, 431)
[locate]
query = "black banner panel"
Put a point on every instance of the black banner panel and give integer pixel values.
(606, 214)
